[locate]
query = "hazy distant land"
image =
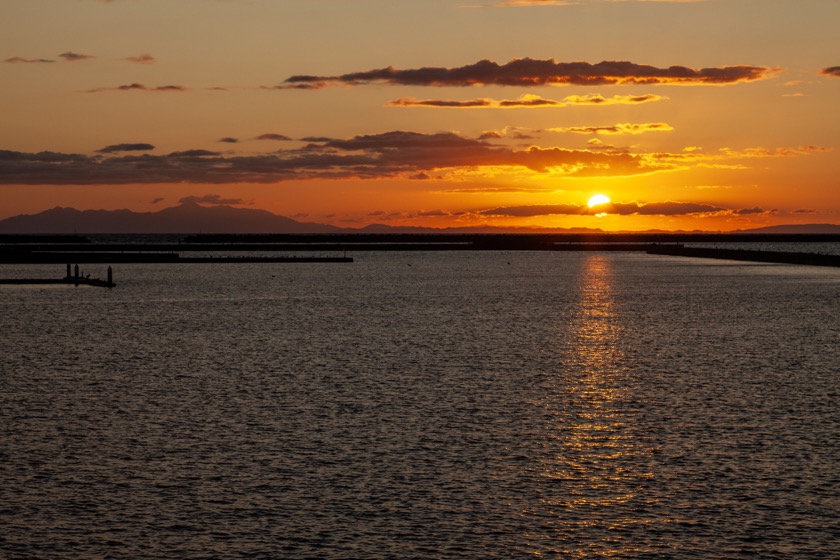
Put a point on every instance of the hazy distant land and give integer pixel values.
(195, 218)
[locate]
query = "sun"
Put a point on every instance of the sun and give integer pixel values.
(598, 199)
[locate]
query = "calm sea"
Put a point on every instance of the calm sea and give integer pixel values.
(423, 405)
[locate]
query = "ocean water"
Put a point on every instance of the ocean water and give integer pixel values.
(424, 405)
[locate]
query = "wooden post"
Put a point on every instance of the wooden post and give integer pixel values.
(68, 271)
(110, 277)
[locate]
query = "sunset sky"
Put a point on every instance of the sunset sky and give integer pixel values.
(686, 114)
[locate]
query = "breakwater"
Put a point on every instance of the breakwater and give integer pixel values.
(747, 255)
(311, 248)
(151, 257)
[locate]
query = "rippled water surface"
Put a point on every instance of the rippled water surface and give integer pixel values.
(424, 405)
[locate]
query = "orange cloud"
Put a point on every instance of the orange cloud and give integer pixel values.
(614, 100)
(778, 152)
(833, 71)
(625, 128)
(526, 72)
(526, 101)
(670, 208)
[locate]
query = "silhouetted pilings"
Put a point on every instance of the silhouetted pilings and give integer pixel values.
(75, 278)
(748, 255)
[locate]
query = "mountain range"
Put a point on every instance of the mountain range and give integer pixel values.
(196, 218)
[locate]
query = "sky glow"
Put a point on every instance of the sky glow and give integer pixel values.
(707, 114)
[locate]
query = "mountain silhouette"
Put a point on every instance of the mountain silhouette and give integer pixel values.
(186, 218)
(192, 217)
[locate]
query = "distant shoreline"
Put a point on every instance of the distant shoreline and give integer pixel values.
(299, 248)
(165, 241)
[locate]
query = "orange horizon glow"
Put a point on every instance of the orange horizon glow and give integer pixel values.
(469, 132)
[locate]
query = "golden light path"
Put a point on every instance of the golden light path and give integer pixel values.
(593, 489)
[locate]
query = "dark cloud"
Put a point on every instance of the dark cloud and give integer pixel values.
(536, 210)
(114, 148)
(469, 104)
(525, 72)
(659, 208)
(302, 86)
(70, 56)
(622, 209)
(194, 153)
(144, 58)
(521, 3)
(376, 156)
(531, 101)
(210, 199)
(139, 87)
(21, 60)
(229, 140)
(526, 3)
(271, 136)
(833, 71)
(749, 211)
(158, 200)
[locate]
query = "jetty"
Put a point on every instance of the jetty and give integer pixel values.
(75, 279)
(747, 255)
(162, 255)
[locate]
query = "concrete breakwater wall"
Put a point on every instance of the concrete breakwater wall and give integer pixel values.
(749, 255)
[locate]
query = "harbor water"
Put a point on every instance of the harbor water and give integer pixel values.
(424, 405)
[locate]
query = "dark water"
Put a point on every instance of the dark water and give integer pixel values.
(424, 405)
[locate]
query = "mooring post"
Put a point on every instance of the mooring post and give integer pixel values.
(77, 271)
(68, 271)
(110, 277)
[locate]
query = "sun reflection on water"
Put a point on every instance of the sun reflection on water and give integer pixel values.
(593, 479)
